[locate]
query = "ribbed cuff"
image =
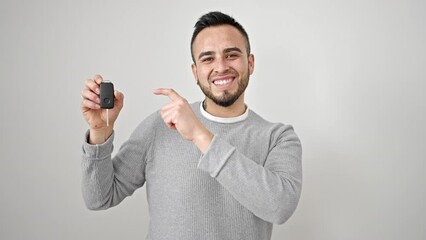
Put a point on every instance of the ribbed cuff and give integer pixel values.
(98, 151)
(216, 156)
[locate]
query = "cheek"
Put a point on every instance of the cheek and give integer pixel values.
(241, 68)
(203, 74)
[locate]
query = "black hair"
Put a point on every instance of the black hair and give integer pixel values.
(216, 19)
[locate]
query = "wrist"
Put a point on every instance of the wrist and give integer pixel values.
(99, 135)
(202, 140)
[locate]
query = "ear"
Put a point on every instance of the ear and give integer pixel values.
(251, 63)
(194, 72)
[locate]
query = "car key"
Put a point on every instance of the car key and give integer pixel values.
(107, 97)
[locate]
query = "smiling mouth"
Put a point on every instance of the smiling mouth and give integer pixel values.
(223, 82)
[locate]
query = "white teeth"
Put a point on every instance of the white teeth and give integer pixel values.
(222, 82)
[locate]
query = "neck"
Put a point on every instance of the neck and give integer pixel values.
(235, 110)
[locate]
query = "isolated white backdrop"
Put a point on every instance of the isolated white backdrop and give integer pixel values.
(348, 75)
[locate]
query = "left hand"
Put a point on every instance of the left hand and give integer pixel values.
(178, 115)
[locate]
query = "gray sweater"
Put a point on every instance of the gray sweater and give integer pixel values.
(249, 178)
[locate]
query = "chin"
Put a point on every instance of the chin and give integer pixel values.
(225, 100)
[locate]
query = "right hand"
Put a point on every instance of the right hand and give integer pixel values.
(94, 115)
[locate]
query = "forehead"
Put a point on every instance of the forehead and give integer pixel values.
(217, 38)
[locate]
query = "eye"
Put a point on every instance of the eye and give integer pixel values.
(207, 59)
(232, 56)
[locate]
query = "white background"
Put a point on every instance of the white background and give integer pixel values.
(348, 75)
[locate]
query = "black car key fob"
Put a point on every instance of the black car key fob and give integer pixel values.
(107, 95)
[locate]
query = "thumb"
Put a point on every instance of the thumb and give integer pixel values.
(119, 97)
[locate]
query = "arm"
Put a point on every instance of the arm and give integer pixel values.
(105, 181)
(270, 192)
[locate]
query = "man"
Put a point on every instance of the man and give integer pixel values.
(213, 169)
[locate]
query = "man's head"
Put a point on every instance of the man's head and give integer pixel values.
(222, 61)
(212, 19)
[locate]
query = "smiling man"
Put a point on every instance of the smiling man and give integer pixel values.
(213, 169)
(223, 63)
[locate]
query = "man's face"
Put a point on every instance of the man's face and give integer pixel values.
(222, 66)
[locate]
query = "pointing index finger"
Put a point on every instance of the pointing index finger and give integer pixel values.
(172, 94)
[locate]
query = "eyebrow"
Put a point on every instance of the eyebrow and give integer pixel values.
(227, 50)
(207, 53)
(232, 49)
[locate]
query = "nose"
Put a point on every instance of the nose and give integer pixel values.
(221, 65)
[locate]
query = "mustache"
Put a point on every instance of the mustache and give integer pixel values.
(222, 74)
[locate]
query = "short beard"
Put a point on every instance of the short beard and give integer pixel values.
(227, 99)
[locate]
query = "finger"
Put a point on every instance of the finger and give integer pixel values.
(119, 98)
(168, 106)
(93, 86)
(89, 95)
(118, 95)
(87, 104)
(172, 94)
(167, 117)
(98, 78)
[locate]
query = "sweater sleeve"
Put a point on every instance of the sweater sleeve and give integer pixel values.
(270, 191)
(107, 181)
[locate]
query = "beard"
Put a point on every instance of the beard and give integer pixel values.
(227, 98)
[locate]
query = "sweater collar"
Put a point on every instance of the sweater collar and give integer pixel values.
(210, 117)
